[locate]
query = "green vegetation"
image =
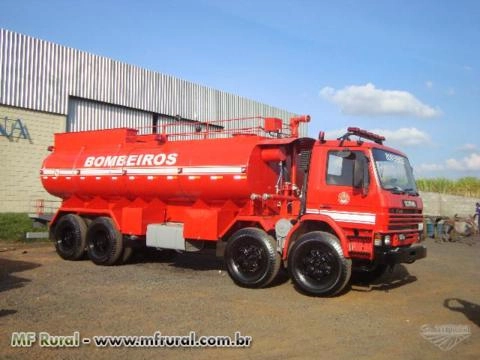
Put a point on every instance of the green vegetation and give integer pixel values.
(467, 186)
(13, 226)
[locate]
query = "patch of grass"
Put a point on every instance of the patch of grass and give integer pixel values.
(467, 186)
(14, 226)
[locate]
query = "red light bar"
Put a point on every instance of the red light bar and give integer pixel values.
(366, 134)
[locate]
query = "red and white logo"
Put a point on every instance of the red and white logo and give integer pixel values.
(343, 198)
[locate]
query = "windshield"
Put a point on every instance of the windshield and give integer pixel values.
(394, 172)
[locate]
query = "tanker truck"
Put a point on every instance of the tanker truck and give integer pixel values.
(261, 197)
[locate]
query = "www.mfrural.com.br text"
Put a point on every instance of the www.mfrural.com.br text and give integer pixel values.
(157, 340)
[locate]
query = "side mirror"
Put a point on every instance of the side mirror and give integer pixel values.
(361, 177)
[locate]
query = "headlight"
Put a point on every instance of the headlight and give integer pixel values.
(377, 240)
(420, 226)
(387, 240)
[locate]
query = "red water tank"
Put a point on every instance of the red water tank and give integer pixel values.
(118, 163)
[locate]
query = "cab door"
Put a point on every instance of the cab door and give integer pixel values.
(342, 188)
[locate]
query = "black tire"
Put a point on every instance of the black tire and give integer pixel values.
(251, 258)
(369, 274)
(69, 235)
(317, 265)
(104, 242)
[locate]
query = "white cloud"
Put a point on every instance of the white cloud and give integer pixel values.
(473, 161)
(367, 100)
(401, 137)
(468, 147)
(468, 163)
(454, 164)
(406, 136)
(429, 84)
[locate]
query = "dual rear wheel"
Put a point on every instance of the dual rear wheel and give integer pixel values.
(100, 240)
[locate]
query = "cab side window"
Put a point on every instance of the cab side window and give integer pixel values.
(340, 169)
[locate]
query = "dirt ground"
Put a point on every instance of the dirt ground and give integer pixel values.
(39, 292)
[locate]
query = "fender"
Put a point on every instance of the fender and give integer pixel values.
(95, 207)
(266, 224)
(319, 219)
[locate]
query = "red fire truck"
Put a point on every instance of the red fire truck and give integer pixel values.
(262, 196)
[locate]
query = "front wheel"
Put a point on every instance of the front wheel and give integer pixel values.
(251, 258)
(317, 265)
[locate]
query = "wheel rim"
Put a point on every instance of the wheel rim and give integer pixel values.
(67, 241)
(317, 266)
(101, 243)
(249, 259)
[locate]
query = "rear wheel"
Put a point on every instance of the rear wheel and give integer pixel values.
(70, 237)
(251, 258)
(105, 242)
(317, 265)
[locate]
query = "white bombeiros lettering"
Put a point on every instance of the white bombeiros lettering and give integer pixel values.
(148, 159)
(131, 160)
(159, 159)
(110, 161)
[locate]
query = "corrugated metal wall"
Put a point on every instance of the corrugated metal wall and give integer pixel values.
(90, 115)
(40, 75)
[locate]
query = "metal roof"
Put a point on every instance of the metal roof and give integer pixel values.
(41, 75)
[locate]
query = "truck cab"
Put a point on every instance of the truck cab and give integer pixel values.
(364, 194)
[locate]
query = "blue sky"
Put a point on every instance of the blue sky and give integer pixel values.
(408, 69)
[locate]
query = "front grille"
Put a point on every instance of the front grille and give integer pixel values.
(404, 219)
